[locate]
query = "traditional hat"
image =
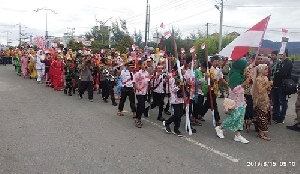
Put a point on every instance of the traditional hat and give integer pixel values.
(130, 64)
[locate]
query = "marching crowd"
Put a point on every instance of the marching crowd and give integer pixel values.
(254, 89)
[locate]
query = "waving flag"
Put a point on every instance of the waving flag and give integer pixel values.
(162, 25)
(285, 31)
(167, 34)
(40, 42)
(251, 38)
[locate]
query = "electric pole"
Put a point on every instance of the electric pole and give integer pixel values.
(207, 25)
(72, 31)
(220, 8)
(7, 40)
(147, 25)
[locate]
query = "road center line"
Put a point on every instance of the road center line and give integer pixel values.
(224, 155)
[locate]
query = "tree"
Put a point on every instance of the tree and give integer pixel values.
(101, 35)
(126, 42)
(119, 29)
(138, 38)
(75, 46)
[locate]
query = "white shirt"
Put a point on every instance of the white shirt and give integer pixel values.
(160, 82)
(126, 78)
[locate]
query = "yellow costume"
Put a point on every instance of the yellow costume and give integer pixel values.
(32, 67)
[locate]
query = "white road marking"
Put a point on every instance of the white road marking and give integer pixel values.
(224, 155)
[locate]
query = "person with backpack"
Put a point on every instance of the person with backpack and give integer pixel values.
(281, 75)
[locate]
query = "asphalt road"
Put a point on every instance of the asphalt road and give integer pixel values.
(43, 131)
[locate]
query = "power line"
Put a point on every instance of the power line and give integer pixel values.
(262, 6)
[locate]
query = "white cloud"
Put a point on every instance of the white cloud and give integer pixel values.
(188, 15)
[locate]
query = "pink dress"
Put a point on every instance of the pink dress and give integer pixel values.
(24, 65)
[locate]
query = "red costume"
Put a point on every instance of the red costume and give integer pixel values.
(56, 70)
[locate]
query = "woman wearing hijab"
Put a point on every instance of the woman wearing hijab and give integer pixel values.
(24, 65)
(236, 116)
(40, 66)
(261, 102)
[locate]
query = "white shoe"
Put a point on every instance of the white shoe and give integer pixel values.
(219, 132)
(241, 139)
(164, 123)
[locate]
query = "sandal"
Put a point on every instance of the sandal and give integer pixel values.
(264, 137)
(248, 123)
(201, 118)
(195, 123)
(134, 115)
(120, 113)
(167, 112)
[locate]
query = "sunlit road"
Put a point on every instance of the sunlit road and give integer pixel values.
(43, 131)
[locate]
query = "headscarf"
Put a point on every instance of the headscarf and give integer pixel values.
(236, 74)
(257, 72)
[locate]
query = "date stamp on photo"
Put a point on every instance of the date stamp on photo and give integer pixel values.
(271, 164)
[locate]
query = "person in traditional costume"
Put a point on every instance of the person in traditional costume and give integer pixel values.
(215, 76)
(56, 73)
(17, 64)
(47, 63)
(77, 62)
(69, 72)
(261, 102)
(235, 121)
(225, 67)
(86, 78)
(32, 65)
(24, 65)
(40, 66)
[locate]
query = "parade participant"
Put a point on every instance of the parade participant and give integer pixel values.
(261, 103)
(110, 74)
(56, 73)
(126, 76)
(47, 63)
(101, 76)
(176, 102)
(17, 64)
(31, 66)
(215, 76)
(201, 89)
(159, 91)
(86, 78)
(141, 83)
(24, 65)
(250, 113)
(40, 66)
(234, 122)
(69, 73)
(225, 67)
(78, 61)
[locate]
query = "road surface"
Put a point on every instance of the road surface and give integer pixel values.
(43, 131)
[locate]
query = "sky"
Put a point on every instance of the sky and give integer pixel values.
(187, 15)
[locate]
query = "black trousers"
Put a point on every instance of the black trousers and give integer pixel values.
(250, 113)
(198, 106)
(167, 105)
(206, 107)
(141, 99)
(176, 116)
(130, 93)
(87, 85)
(4, 61)
(69, 86)
(108, 90)
(158, 100)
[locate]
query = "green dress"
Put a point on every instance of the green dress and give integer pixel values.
(18, 65)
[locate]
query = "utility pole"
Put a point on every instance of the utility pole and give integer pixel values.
(220, 8)
(7, 40)
(207, 24)
(147, 25)
(72, 31)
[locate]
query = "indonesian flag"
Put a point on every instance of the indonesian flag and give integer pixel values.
(61, 43)
(182, 50)
(162, 52)
(193, 49)
(251, 38)
(92, 39)
(203, 46)
(284, 31)
(167, 34)
(162, 25)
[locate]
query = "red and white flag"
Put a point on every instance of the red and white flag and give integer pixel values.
(133, 47)
(285, 31)
(203, 46)
(251, 38)
(162, 25)
(162, 52)
(193, 49)
(167, 34)
(182, 50)
(92, 39)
